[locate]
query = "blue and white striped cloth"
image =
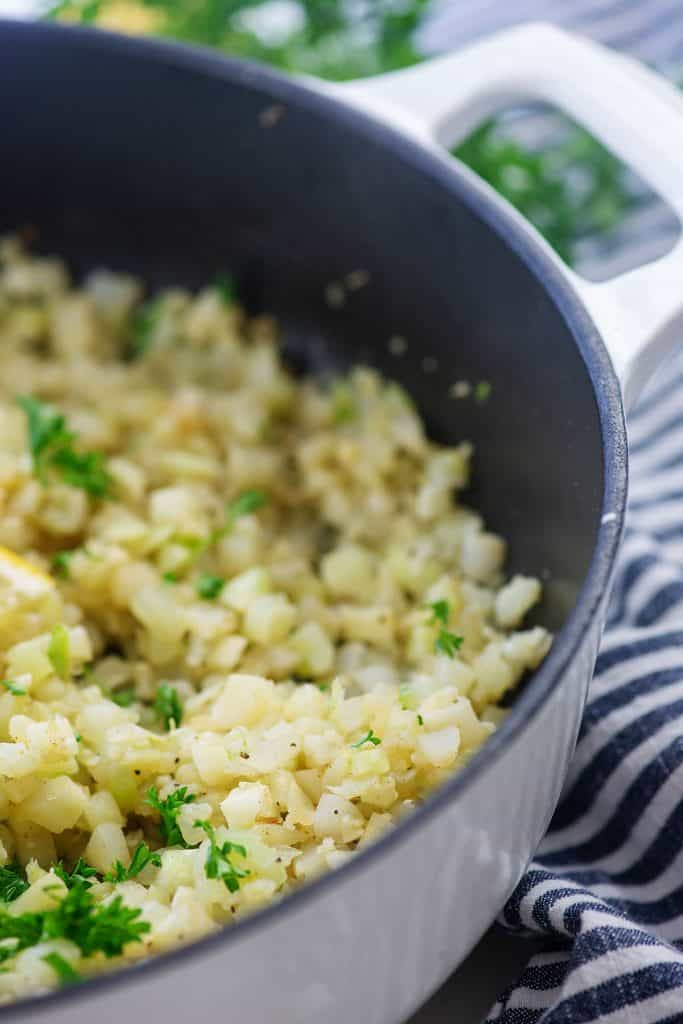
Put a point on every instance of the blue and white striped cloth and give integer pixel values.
(605, 891)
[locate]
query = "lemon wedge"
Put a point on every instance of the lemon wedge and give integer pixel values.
(22, 577)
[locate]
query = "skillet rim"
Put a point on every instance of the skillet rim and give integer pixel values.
(527, 245)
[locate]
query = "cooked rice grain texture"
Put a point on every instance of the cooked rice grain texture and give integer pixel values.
(320, 635)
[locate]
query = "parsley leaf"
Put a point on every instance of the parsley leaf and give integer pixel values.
(12, 883)
(209, 587)
(343, 405)
(26, 929)
(16, 691)
(81, 874)
(141, 327)
(85, 470)
(441, 612)
(58, 650)
(368, 738)
(51, 446)
(245, 504)
(218, 864)
(123, 697)
(62, 968)
(482, 391)
(94, 927)
(60, 563)
(170, 577)
(167, 706)
(140, 859)
(46, 431)
(446, 642)
(169, 808)
(225, 286)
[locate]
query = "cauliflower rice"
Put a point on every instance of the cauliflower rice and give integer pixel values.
(245, 622)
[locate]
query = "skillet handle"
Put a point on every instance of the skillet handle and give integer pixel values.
(634, 111)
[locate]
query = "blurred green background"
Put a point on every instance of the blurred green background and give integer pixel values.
(571, 188)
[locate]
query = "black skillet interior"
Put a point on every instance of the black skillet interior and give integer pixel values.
(174, 167)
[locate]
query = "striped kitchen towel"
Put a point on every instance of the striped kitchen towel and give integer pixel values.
(605, 891)
(606, 887)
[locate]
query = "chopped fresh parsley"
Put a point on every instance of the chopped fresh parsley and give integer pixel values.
(51, 445)
(85, 470)
(482, 391)
(441, 612)
(140, 859)
(169, 809)
(343, 405)
(62, 968)
(225, 286)
(446, 642)
(61, 562)
(123, 697)
(25, 929)
(167, 706)
(245, 504)
(47, 431)
(170, 577)
(141, 327)
(12, 882)
(368, 738)
(420, 719)
(209, 587)
(16, 691)
(94, 928)
(218, 863)
(80, 874)
(58, 650)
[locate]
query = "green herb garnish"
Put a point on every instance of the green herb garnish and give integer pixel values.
(141, 327)
(94, 928)
(61, 562)
(62, 968)
(140, 859)
(225, 286)
(343, 405)
(123, 697)
(368, 738)
(446, 642)
(245, 504)
(85, 470)
(16, 691)
(81, 874)
(58, 650)
(51, 445)
(482, 391)
(47, 432)
(167, 706)
(169, 808)
(218, 864)
(420, 720)
(209, 587)
(12, 882)
(170, 577)
(441, 612)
